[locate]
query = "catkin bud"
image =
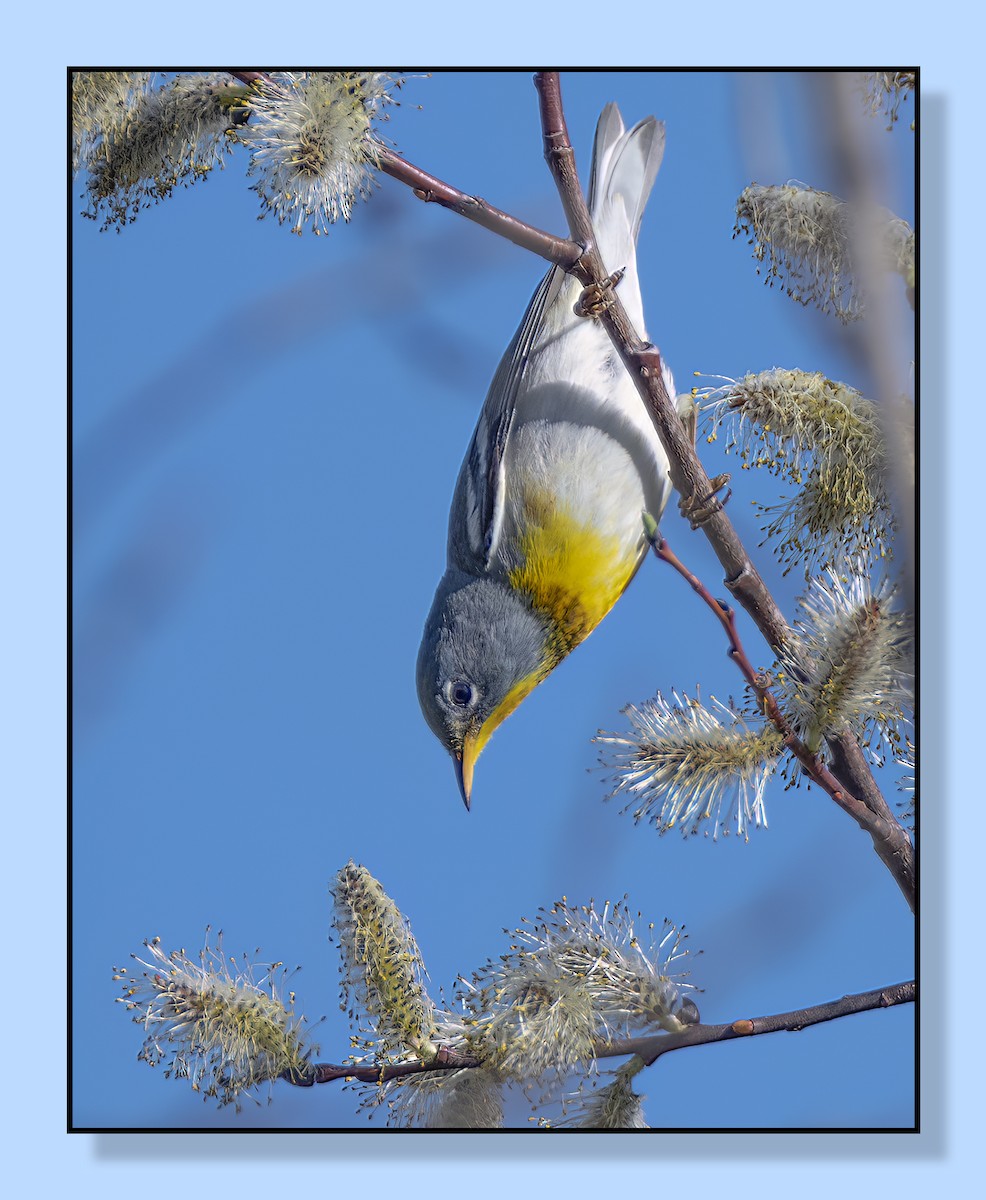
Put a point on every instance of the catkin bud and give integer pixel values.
(612, 1106)
(684, 765)
(574, 977)
(222, 1025)
(382, 969)
(886, 91)
(102, 104)
(823, 436)
(471, 1098)
(852, 662)
(175, 135)
(313, 145)
(806, 238)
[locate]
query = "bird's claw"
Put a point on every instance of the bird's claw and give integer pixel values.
(597, 297)
(698, 509)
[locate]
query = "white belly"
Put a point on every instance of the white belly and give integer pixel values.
(589, 476)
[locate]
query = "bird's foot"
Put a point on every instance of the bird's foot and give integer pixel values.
(597, 297)
(698, 509)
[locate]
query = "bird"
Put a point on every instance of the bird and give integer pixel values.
(545, 528)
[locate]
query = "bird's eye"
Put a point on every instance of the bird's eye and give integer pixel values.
(461, 693)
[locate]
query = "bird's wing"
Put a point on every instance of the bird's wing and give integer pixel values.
(624, 167)
(477, 508)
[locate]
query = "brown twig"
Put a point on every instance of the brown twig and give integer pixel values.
(444, 1060)
(561, 251)
(650, 1047)
(890, 839)
(758, 682)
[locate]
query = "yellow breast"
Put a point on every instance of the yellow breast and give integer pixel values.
(572, 570)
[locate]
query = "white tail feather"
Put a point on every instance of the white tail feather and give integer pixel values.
(624, 167)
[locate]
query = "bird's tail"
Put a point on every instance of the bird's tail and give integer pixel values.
(624, 166)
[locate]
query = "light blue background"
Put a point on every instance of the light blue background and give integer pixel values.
(183, 824)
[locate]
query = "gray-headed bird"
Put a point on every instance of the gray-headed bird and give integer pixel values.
(545, 529)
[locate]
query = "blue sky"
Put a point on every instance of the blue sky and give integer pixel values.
(267, 431)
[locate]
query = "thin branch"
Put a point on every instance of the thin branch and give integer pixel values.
(444, 1060)
(432, 190)
(560, 251)
(650, 1048)
(889, 838)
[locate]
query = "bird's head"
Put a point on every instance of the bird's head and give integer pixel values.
(482, 652)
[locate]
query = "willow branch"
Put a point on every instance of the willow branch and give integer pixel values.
(444, 1060)
(650, 1047)
(560, 251)
(890, 840)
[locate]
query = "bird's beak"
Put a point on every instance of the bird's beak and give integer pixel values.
(474, 743)
(464, 764)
